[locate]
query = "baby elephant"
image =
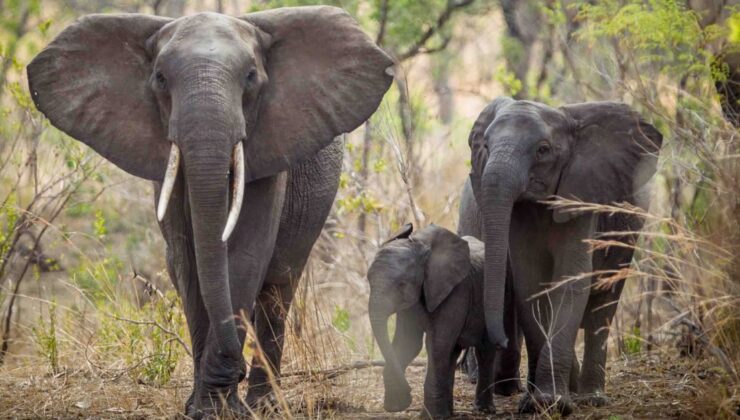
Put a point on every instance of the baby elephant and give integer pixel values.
(433, 280)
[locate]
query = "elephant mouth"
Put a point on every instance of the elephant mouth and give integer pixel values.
(237, 193)
(536, 186)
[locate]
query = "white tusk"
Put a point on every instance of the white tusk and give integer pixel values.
(169, 181)
(237, 195)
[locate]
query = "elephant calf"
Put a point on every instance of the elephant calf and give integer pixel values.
(433, 280)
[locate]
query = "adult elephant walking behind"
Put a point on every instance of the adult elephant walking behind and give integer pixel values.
(234, 119)
(524, 152)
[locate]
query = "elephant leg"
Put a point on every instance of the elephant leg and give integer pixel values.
(534, 343)
(198, 326)
(574, 375)
(309, 193)
(596, 325)
(529, 321)
(563, 307)
(272, 308)
(486, 356)
(555, 361)
(440, 377)
(470, 364)
(602, 306)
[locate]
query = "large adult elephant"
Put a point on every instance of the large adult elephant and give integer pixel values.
(522, 153)
(214, 108)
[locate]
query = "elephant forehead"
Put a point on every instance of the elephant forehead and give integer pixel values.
(398, 258)
(526, 120)
(208, 34)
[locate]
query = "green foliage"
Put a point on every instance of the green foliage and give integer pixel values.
(45, 337)
(8, 220)
(145, 338)
(675, 41)
(98, 278)
(361, 203)
(734, 24)
(99, 225)
(341, 320)
(508, 80)
(633, 342)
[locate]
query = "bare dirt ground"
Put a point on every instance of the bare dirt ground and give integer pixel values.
(647, 386)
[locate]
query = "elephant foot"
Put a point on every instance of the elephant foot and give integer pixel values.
(593, 399)
(216, 395)
(190, 410)
(396, 393)
(507, 387)
(217, 405)
(545, 403)
(261, 400)
(436, 415)
(394, 402)
(484, 407)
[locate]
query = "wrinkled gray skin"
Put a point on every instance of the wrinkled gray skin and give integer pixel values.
(524, 152)
(433, 280)
(508, 360)
(284, 82)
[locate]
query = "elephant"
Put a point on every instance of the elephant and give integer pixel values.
(433, 281)
(522, 153)
(213, 108)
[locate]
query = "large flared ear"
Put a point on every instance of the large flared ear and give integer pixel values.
(91, 82)
(447, 266)
(476, 140)
(325, 78)
(615, 153)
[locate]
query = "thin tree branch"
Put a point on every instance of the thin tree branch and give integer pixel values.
(419, 47)
(383, 21)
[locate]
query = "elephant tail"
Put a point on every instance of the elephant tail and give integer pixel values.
(397, 389)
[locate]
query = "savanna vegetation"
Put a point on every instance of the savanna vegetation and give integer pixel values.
(90, 325)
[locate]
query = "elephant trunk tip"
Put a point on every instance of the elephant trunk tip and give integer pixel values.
(501, 341)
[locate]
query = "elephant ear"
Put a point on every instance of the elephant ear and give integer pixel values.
(402, 233)
(615, 153)
(447, 266)
(91, 82)
(476, 140)
(326, 77)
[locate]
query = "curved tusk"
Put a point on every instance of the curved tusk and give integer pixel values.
(237, 195)
(169, 181)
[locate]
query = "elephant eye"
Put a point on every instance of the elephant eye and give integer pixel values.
(161, 80)
(251, 76)
(543, 150)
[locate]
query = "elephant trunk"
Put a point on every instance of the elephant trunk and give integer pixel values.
(209, 129)
(397, 389)
(502, 182)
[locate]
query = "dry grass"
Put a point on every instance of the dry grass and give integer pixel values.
(654, 385)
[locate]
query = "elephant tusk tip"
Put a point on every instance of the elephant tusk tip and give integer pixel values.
(226, 234)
